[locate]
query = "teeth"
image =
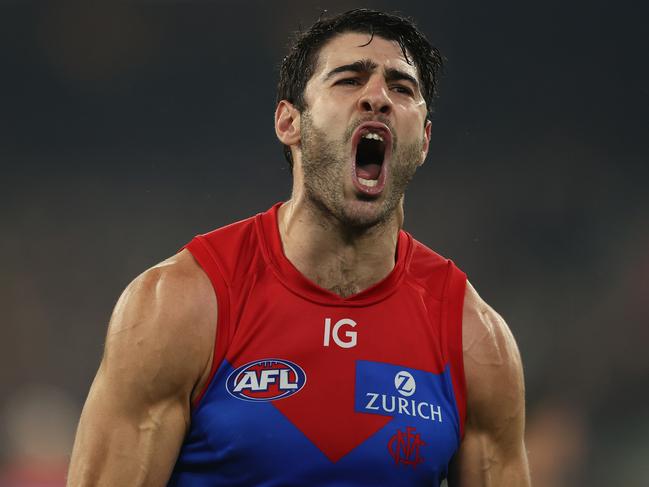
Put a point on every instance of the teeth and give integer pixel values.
(373, 136)
(368, 182)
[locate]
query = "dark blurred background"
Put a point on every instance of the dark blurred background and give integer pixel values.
(127, 128)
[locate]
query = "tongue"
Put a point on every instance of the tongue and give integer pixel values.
(368, 171)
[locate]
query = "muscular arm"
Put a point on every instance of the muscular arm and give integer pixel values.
(492, 453)
(157, 355)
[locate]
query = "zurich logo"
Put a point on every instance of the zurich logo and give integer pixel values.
(404, 383)
(266, 380)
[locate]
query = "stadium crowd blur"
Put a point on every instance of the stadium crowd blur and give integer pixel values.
(126, 128)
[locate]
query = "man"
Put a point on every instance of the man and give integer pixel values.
(316, 343)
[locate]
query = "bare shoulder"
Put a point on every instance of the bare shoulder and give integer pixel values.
(492, 362)
(163, 327)
(157, 354)
(492, 452)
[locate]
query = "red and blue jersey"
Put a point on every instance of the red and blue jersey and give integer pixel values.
(310, 388)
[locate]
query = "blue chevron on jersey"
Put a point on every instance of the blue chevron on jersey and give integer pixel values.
(385, 407)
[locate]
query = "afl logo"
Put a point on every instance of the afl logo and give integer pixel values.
(266, 380)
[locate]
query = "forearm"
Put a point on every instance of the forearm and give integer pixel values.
(138, 452)
(482, 463)
(513, 476)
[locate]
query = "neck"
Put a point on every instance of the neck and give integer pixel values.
(338, 258)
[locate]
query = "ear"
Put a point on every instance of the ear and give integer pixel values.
(426, 144)
(287, 123)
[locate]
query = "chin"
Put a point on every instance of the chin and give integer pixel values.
(363, 214)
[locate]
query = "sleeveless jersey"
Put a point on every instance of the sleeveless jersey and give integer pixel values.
(312, 389)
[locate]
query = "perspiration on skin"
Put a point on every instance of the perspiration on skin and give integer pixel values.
(159, 348)
(336, 105)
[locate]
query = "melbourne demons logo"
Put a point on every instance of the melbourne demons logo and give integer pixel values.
(266, 380)
(404, 447)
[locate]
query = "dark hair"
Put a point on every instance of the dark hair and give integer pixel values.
(300, 63)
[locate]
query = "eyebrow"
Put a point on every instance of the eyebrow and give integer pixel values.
(392, 74)
(361, 66)
(369, 66)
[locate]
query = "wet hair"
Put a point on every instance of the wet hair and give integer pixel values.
(301, 62)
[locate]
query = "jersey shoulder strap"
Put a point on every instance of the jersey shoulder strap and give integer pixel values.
(225, 255)
(445, 282)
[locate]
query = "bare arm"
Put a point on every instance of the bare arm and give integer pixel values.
(157, 355)
(492, 453)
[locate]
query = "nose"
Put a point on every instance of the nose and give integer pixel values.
(375, 98)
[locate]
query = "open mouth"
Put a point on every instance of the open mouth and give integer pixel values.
(372, 143)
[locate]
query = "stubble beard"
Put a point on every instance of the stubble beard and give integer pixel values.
(325, 165)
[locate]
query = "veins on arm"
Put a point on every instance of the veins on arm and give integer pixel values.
(483, 346)
(492, 452)
(157, 347)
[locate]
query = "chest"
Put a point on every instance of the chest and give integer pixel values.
(314, 394)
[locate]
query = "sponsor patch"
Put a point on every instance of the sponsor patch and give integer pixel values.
(266, 380)
(391, 390)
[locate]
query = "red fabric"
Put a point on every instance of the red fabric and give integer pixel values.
(452, 326)
(412, 318)
(208, 260)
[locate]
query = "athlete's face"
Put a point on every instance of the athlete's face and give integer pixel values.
(364, 131)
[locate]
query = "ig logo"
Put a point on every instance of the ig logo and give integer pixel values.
(404, 383)
(335, 333)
